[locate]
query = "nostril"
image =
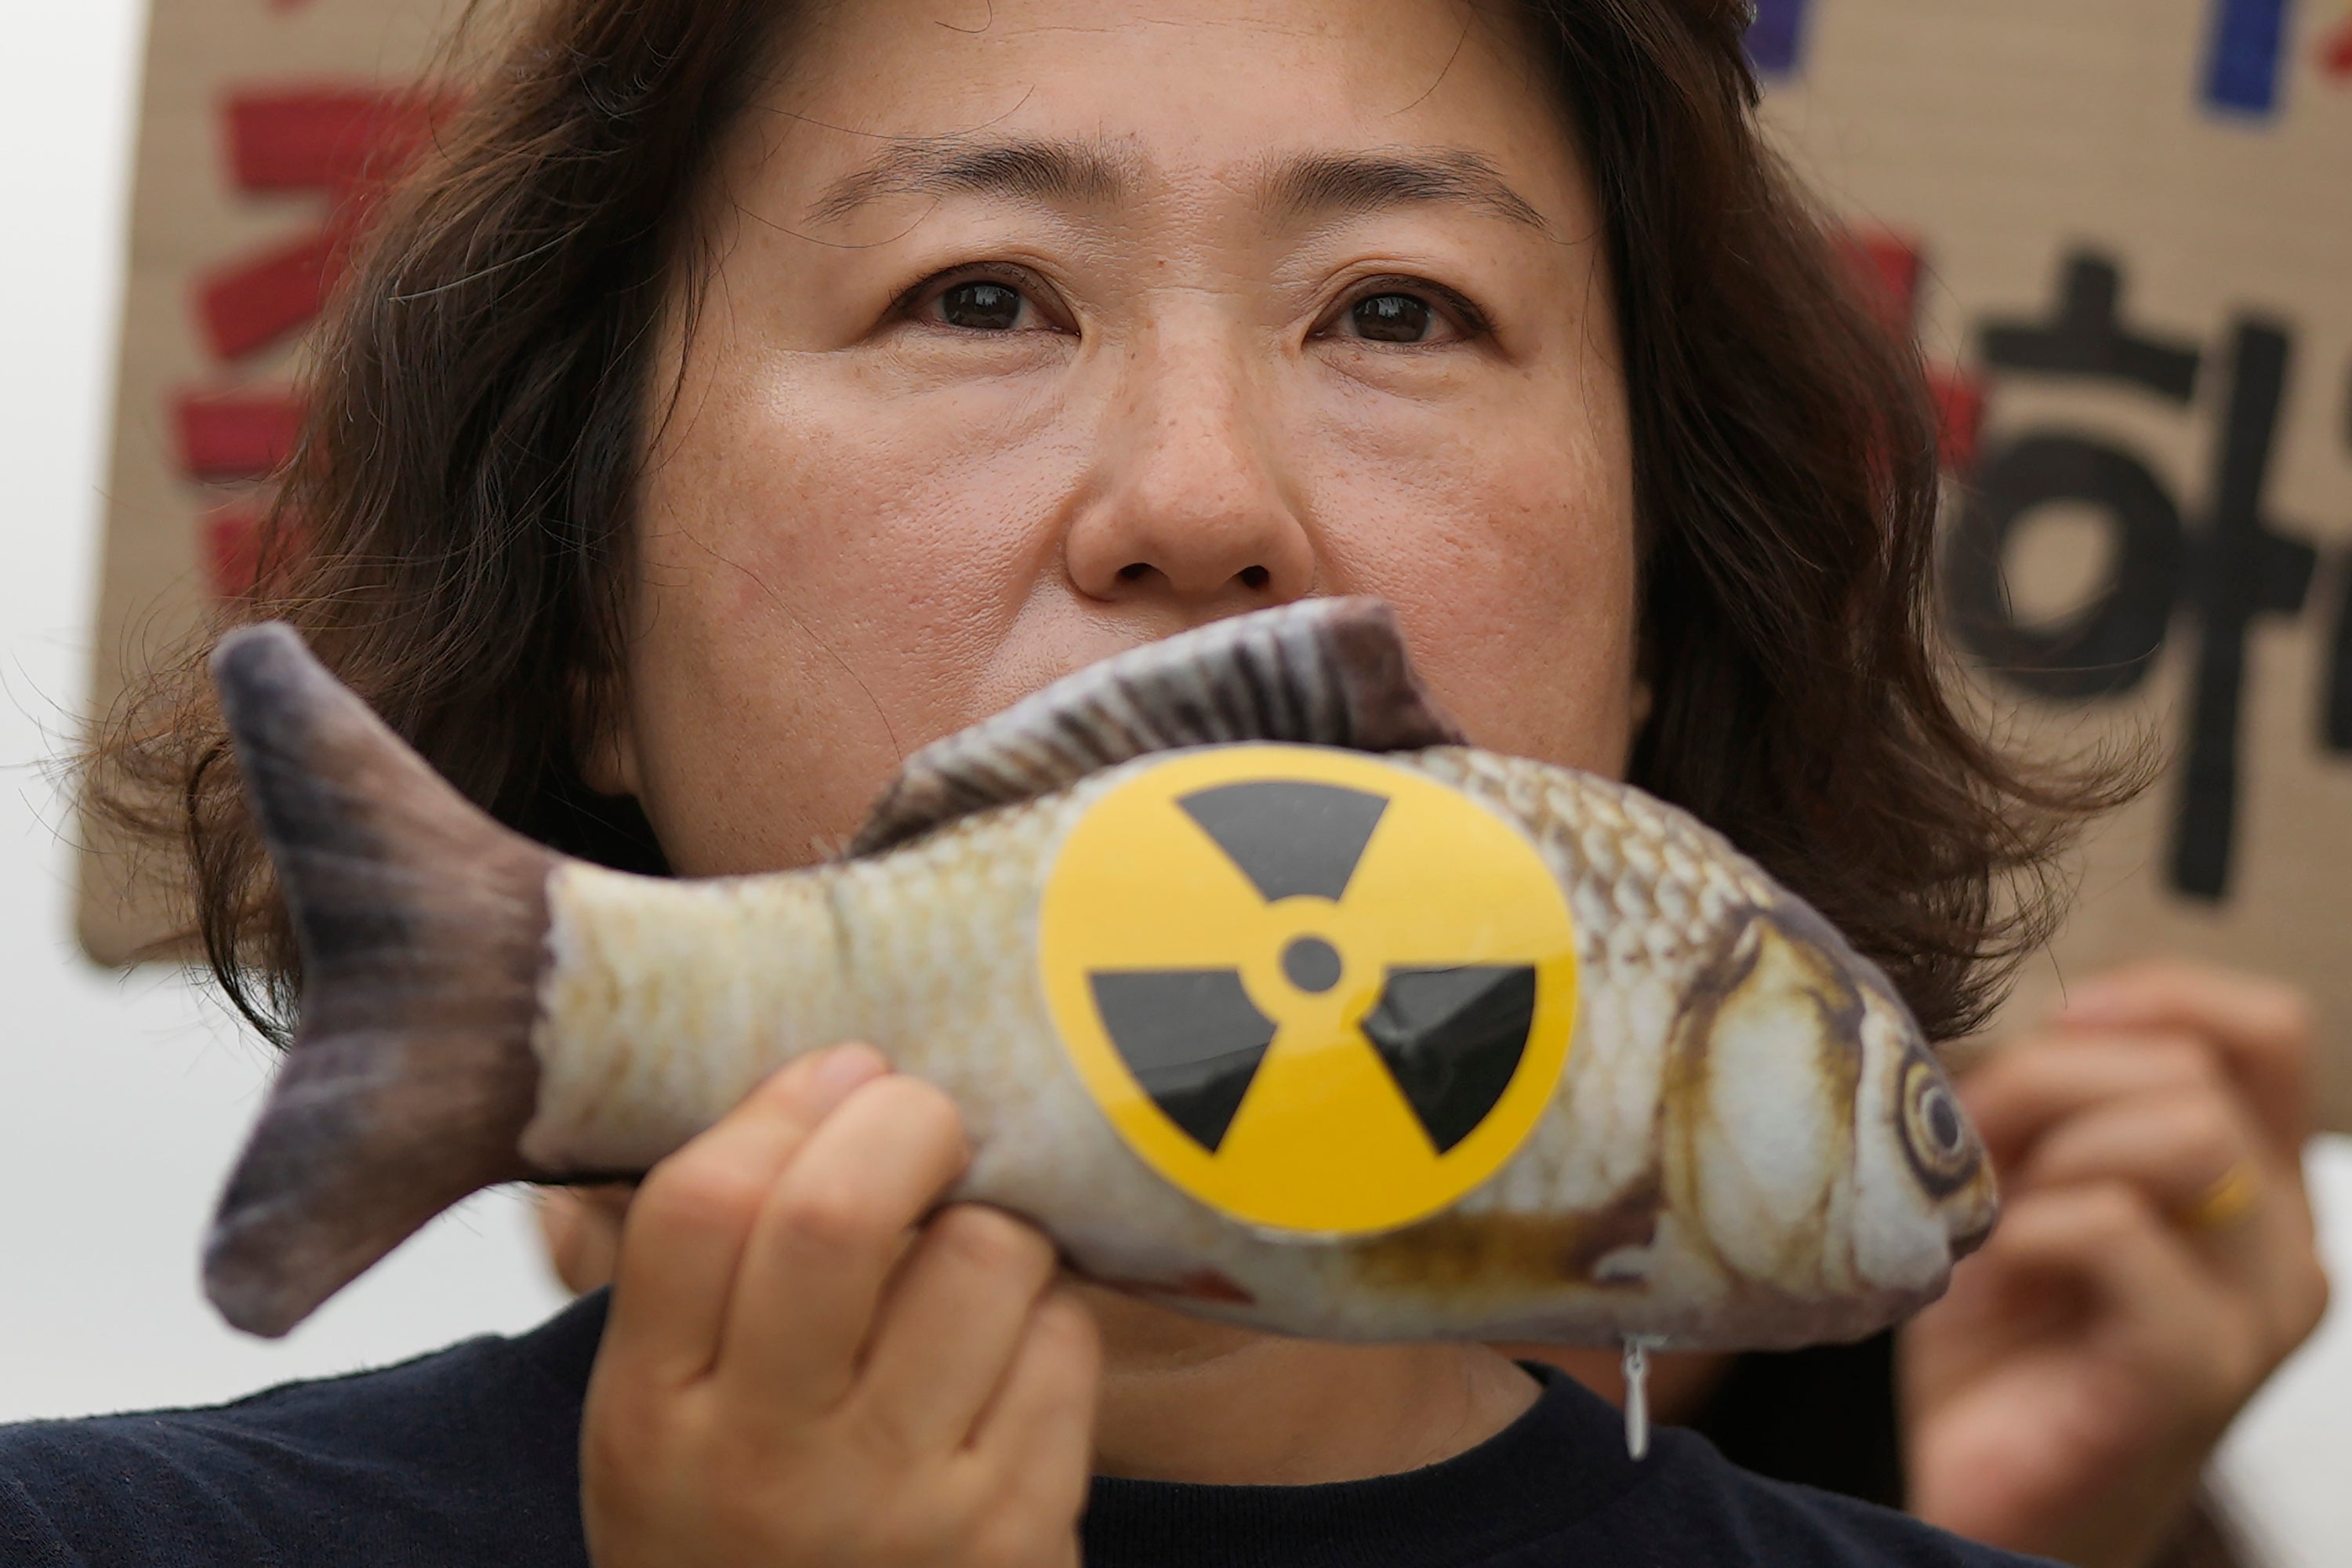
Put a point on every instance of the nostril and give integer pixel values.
(1135, 572)
(1255, 577)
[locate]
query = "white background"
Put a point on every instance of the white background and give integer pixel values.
(122, 1100)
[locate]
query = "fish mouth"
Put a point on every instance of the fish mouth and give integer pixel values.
(1968, 1241)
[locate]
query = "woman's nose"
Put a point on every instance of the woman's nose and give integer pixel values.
(1190, 500)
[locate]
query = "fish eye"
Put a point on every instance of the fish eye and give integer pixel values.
(1936, 1133)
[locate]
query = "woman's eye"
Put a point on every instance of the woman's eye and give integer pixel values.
(982, 306)
(1408, 311)
(1392, 318)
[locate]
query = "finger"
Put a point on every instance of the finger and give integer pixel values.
(2200, 1162)
(581, 1228)
(2144, 1300)
(828, 1235)
(683, 1236)
(2106, 1242)
(2035, 1083)
(2176, 1149)
(2263, 1027)
(953, 1320)
(1039, 1428)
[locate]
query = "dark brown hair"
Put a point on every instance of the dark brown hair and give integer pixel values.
(454, 530)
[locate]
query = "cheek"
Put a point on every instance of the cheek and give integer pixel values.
(820, 569)
(1505, 535)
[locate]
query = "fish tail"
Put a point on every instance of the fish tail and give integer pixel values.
(421, 924)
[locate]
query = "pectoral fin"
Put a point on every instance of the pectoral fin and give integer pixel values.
(1323, 672)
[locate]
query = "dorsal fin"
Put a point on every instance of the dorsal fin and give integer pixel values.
(1323, 672)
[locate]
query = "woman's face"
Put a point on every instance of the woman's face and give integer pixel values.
(1039, 329)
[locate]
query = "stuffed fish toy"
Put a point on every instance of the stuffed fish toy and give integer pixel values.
(1259, 991)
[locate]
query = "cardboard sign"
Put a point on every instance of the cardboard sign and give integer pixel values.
(2123, 230)
(2122, 227)
(265, 127)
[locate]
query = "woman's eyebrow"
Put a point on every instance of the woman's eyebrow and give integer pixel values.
(1057, 171)
(1298, 188)
(1341, 183)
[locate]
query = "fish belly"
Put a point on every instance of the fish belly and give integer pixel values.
(666, 1002)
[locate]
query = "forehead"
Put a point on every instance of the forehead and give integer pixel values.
(1224, 88)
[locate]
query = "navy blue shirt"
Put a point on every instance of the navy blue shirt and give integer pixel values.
(469, 1457)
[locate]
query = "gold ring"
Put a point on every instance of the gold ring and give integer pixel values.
(2227, 1200)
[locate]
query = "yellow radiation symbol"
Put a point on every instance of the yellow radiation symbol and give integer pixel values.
(1317, 991)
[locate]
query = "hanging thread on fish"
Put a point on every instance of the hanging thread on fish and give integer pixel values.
(1637, 1393)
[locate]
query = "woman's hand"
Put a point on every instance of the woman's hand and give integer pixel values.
(581, 1228)
(798, 1369)
(2153, 1263)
